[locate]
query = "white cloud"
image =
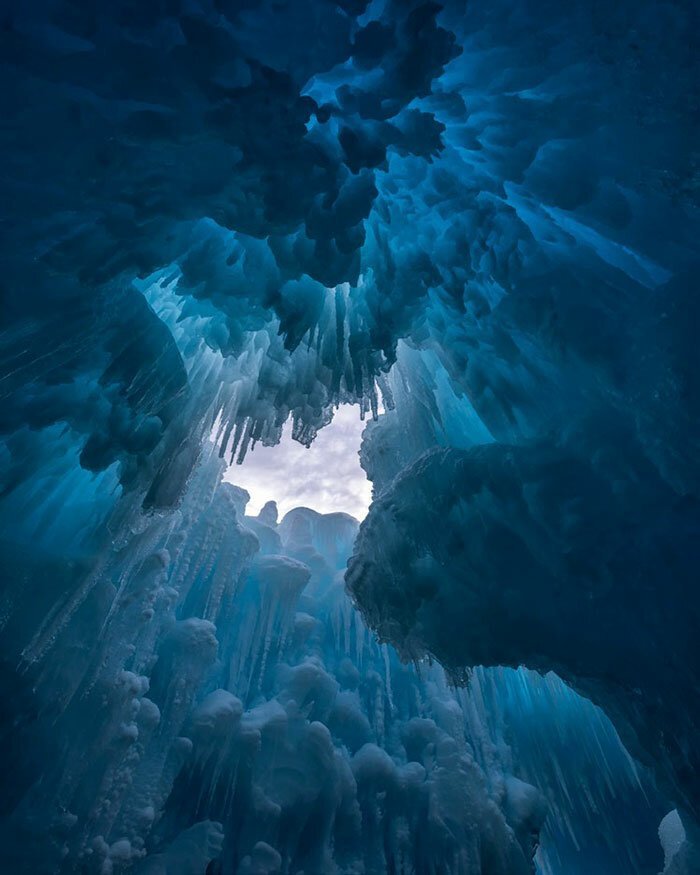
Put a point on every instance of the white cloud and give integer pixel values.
(327, 477)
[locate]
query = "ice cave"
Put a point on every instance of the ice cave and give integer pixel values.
(349, 437)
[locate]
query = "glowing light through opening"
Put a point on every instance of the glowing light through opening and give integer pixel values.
(326, 477)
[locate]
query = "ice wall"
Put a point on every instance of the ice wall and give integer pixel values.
(215, 698)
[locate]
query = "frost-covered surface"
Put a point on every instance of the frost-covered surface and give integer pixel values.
(215, 696)
(511, 184)
(507, 555)
(221, 215)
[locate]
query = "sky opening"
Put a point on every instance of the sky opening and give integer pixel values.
(326, 477)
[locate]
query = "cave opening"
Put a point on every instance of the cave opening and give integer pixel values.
(326, 477)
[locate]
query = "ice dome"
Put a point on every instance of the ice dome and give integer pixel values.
(453, 243)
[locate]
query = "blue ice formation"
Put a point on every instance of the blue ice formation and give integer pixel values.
(212, 694)
(477, 222)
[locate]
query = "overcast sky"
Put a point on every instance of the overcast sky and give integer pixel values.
(327, 477)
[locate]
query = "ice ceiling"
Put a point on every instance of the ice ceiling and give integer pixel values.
(477, 225)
